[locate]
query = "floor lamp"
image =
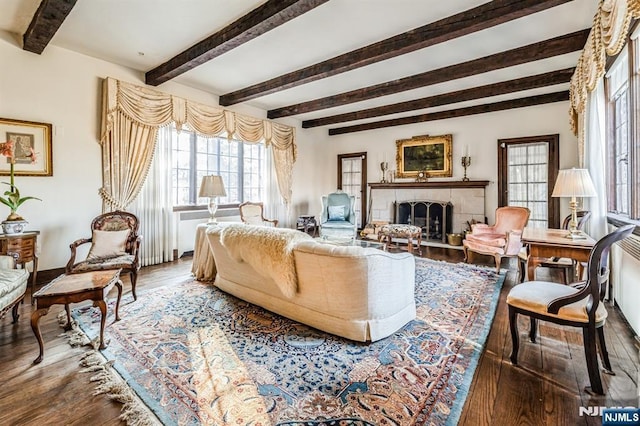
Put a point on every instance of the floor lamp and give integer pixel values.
(574, 183)
(212, 187)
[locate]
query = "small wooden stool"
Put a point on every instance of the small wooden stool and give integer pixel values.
(410, 232)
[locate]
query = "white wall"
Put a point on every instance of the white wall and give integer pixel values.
(481, 132)
(64, 88)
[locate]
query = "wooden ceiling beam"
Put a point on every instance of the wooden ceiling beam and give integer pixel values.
(502, 88)
(45, 23)
(533, 52)
(460, 112)
(478, 18)
(262, 19)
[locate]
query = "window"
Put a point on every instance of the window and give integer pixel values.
(241, 165)
(619, 145)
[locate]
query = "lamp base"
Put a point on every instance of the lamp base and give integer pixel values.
(578, 235)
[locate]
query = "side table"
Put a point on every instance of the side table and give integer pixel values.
(308, 224)
(24, 245)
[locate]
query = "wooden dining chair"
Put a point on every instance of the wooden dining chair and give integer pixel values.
(575, 306)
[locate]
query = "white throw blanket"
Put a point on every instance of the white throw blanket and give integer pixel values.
(268, 250)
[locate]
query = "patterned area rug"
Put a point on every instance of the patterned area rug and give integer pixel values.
(195, 355)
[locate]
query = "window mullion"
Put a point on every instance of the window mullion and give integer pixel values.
(193, 172)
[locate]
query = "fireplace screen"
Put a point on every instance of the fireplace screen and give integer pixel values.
(434, 217)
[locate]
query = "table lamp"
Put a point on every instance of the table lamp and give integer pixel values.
(212, 187)
(574, 183)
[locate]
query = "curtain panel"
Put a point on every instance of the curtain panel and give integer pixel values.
(130, 121)
(607, 38)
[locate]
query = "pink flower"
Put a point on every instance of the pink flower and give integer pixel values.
(6, 149)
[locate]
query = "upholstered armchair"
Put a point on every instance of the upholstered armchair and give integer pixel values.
(503, 239)
(577, 305)
(115, 244)
(253, 214)
(337, 218)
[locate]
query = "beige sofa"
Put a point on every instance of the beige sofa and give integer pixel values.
(363, 294)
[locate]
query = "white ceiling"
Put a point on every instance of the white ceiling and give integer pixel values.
(143, 34)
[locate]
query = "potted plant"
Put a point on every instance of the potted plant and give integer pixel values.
(14, 224)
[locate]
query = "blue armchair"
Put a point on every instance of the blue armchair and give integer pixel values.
(337, 219)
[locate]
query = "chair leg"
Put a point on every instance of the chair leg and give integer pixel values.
(515, 341)
(589, 337)
(134, 277)
(498, 259)
(466, 254)
(533, 330)
(604, 354)
(14, 312)
(522, 269)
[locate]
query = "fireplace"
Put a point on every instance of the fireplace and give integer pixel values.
(434, 217)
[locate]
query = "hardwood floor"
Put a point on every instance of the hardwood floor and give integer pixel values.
(545, 389)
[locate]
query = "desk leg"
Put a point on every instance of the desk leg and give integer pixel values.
(103, 309)
(35, 319)
(532, 264)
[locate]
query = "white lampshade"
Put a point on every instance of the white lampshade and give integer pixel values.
(574, 183)
(212, 186)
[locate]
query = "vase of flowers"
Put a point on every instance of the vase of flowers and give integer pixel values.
(14, 224)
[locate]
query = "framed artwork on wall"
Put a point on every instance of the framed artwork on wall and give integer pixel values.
(431, 154)
(27, 137)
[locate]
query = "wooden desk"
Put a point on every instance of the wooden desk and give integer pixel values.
(75, 288)
(546, 243)
(25, 245)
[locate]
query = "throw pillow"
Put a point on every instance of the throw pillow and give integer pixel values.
(336, 212)
(108, 244)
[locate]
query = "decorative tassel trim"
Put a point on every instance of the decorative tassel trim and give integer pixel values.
(108, 382)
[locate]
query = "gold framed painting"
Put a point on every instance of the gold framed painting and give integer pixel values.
(27, 137)
(431, 154)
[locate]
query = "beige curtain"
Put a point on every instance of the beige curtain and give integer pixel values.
(607, 38)
(131, 118)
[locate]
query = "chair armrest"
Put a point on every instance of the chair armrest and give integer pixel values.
(274, 221)
(8, 261)
(74, 246)
(514, 242)
(134, 251)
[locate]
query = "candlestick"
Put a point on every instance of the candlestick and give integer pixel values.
(384, 166)
(466, 162)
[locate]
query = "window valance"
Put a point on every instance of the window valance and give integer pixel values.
(132, 115)
(607, 38)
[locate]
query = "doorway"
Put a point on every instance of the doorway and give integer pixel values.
(352, 179)
(527, 171)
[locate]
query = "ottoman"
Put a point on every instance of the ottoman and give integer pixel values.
(413, 234)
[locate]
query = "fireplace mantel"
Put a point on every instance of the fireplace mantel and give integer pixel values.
(434, 184)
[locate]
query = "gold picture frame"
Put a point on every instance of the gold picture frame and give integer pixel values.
(431, 154)
(27, 136)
